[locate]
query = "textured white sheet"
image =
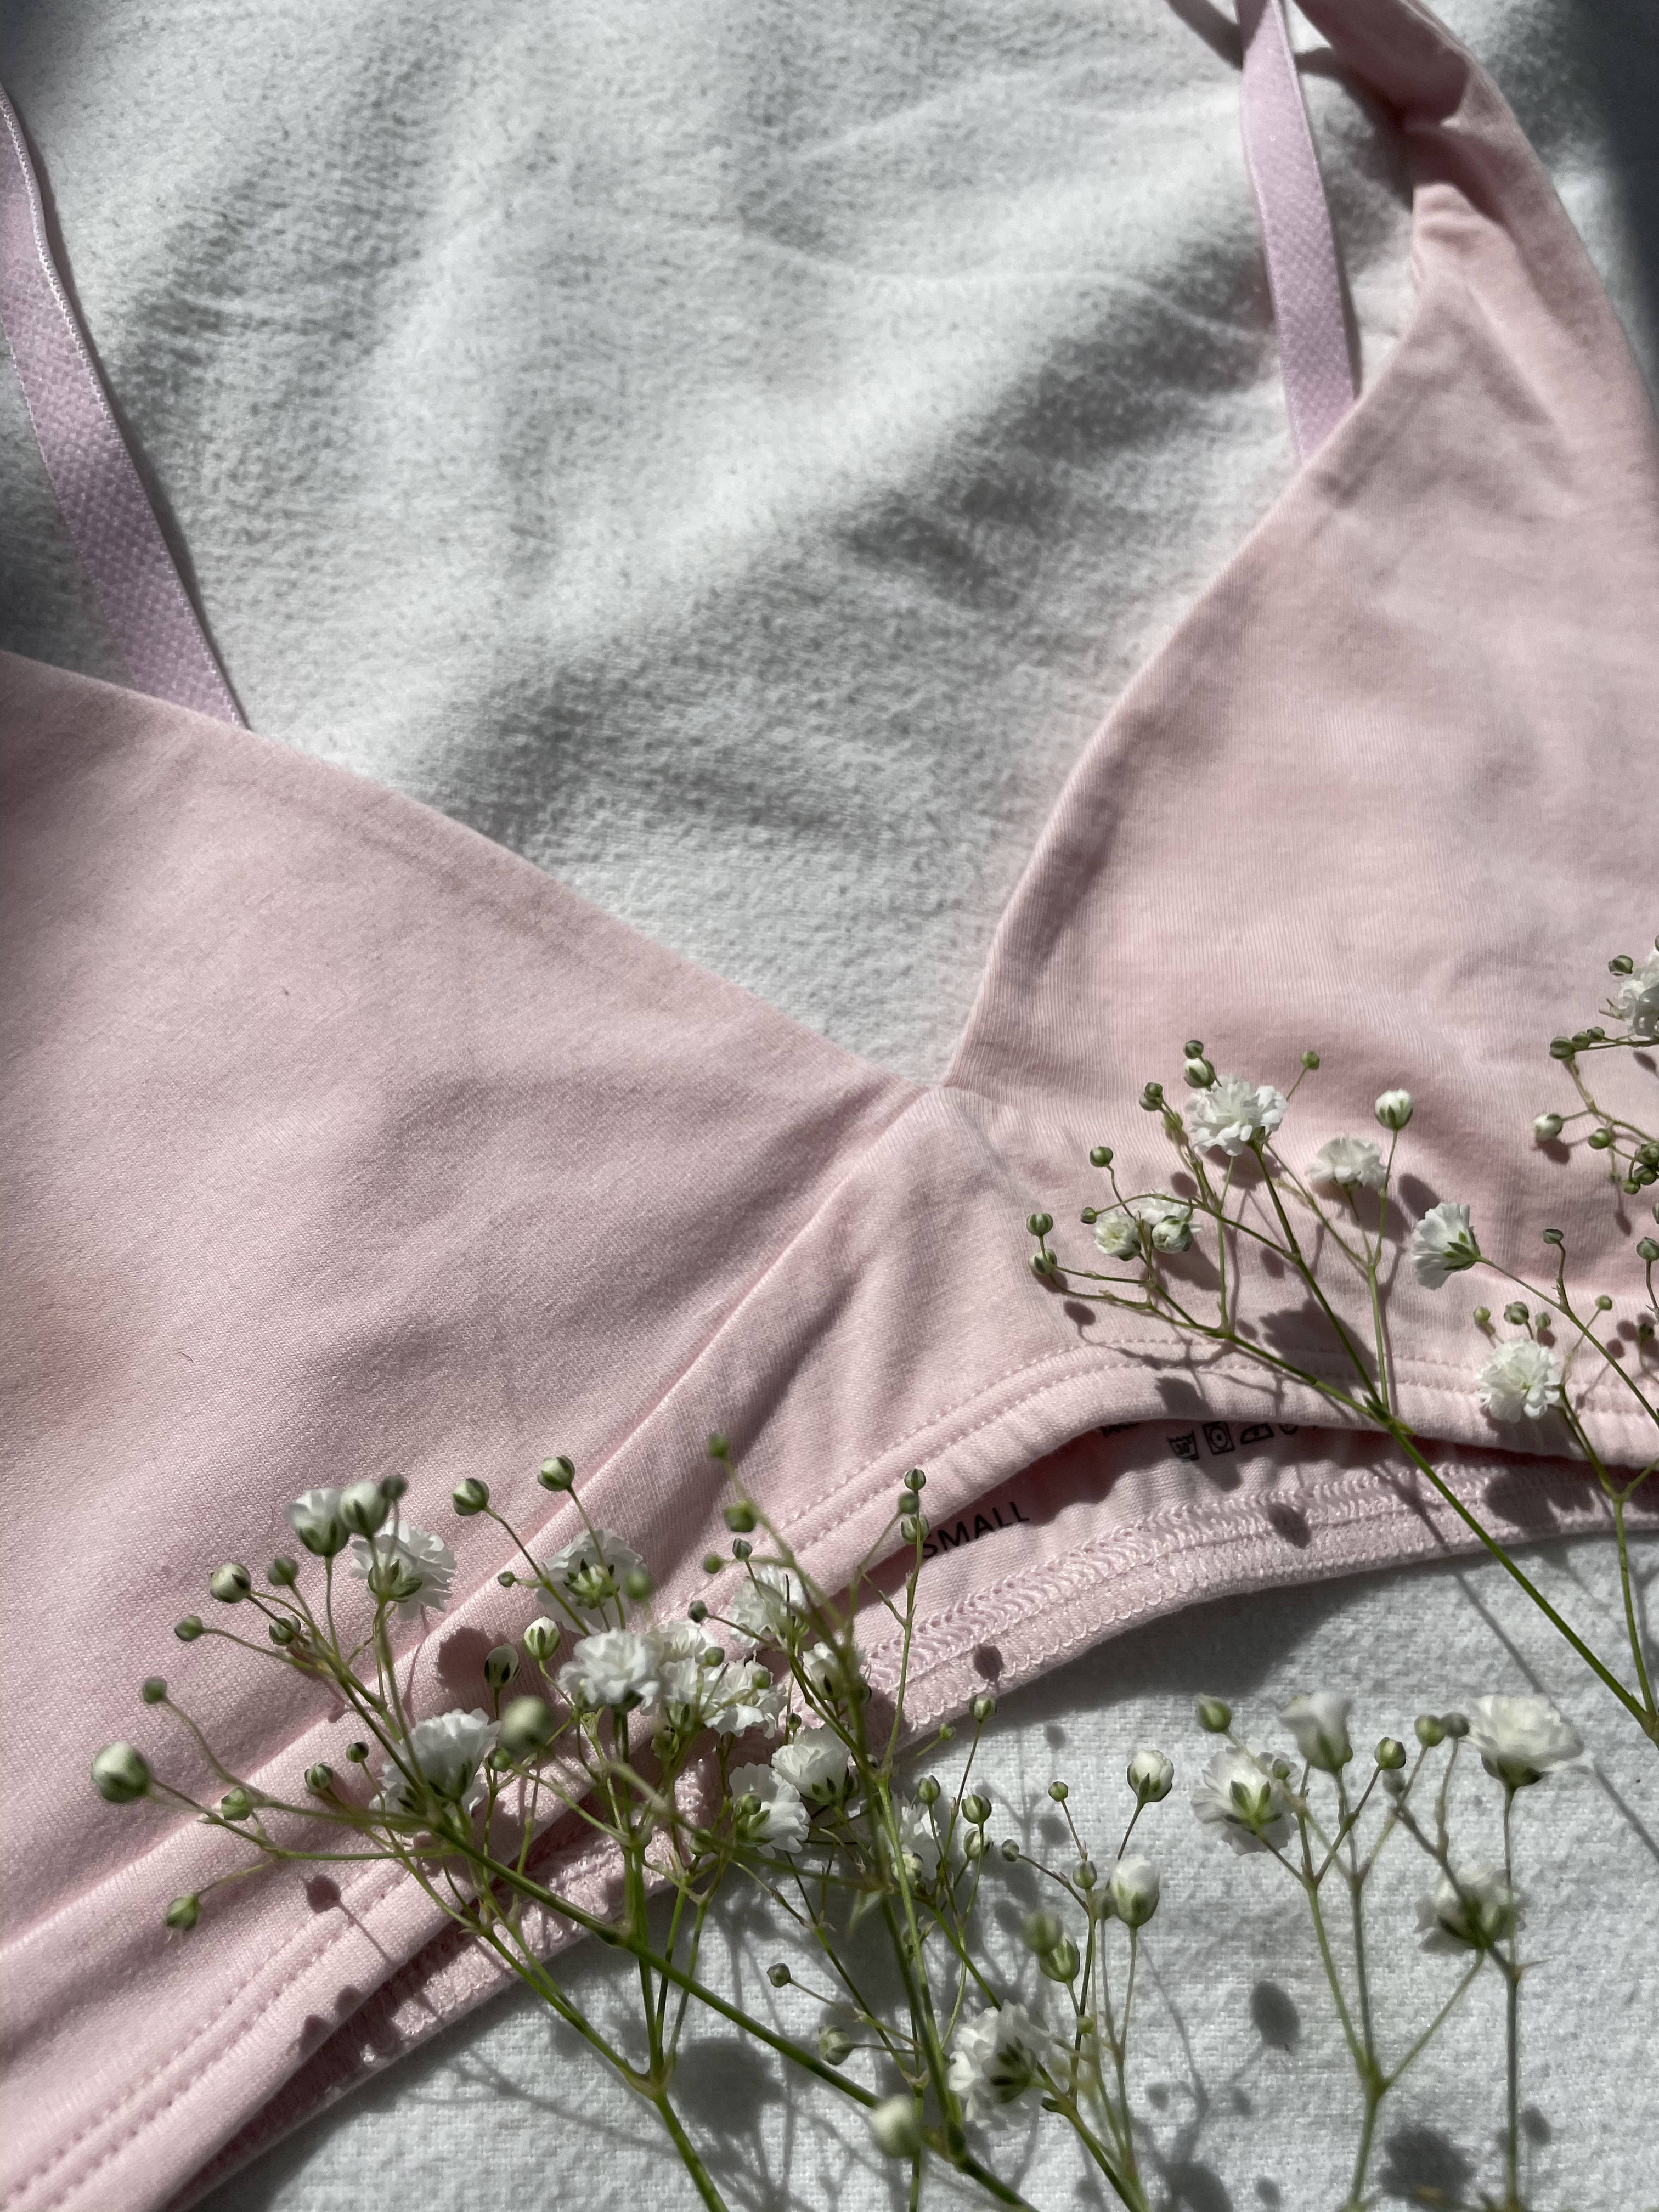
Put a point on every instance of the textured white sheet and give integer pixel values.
(734, 455)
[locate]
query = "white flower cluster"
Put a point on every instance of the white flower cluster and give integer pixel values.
(1168, 1223)
(1636, 1000)
(1521, 1380)
(419, 1565)
(997, 2060)
(1233, 1116)
(676, 1671)
(446, 1753)
(1239, 1795)
(591, 1570)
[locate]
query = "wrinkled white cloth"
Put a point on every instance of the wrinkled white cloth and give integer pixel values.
(735, 457)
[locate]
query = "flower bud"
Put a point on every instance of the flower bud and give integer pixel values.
(897, 2127)
(1620, 964)
(152, 1690)
(1647, 1249)
(282, 1631)
(779, 1975)
(526, 1725)
(1060, 1963)
(928, 1790)
(1084, 1875)
(1429, 1729)
(1457, 1725)
(973, 1845)
(183, 1913)
(1042, 1931)
(1547, 1127)
(742, 1548)
(470, 1497)
(1059, 1792)
(556, 1473)
(718, 1447)
(392, 1488)
(835, 2046)
(120, 1773)
(501, 1665)
(362, 1509)
(1393, 1109)
(1310, 1061)
(1391, 1753)
(1603, 1303)
(983, 1708)
(712, 1563)
(1482, 1315)
(975, 1809)
(1600, 1140)
(319, 1779)
(1193, 1049)
(1561, 1048)
(1515, 1314)
(282, 1573)
(230, 1584)
(1198, 1073)
(637, 1583)
(356, 1752)
(1215, 1715)
(740, 1517)
(1555, 1236)
(912, 1528)
(1101, 1157)
(1134, 1887)
(236, 1804)
(1151, 1776)
(1152, 1097)
(1008, 1848)
(541, 1639)
(189, 1628)
(1040, 1224)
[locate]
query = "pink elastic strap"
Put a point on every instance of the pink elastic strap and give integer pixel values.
(1296, 230)
(91, 472)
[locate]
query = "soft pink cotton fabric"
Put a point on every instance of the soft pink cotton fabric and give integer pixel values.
(339, 1141)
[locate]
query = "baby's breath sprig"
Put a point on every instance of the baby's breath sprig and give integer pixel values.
(1342, 1217)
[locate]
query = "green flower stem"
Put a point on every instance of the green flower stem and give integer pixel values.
(1511, 1967)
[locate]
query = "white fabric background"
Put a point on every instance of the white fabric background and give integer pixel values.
(734, 455)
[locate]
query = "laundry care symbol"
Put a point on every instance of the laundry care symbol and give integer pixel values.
(1218, 1438)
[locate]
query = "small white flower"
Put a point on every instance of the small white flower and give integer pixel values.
(1134, 1885)
(1521, 1739)
(918, 1843)
(1319, 1725)
(1393, 1109)
(1442, 1244)
(1351, 1163)
(1521, 1380)
(732, 1695)
(446, 1752)
(783, 1819)
(1471, 1914)
(1151, 1776)
(768, 1609)
(816, 1765)
(1234, 1114)
(996, 2060)
(1118, 1234)
(822, 1668)
(1168, 1221)
(591, 1570)
(895, 2124)
(420, 1566)
(315, 1519)
(1240, 1797)
(617, 1667)
(1636, 1000)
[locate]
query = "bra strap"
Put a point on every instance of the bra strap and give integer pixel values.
(1296, 229)
(91, 474)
